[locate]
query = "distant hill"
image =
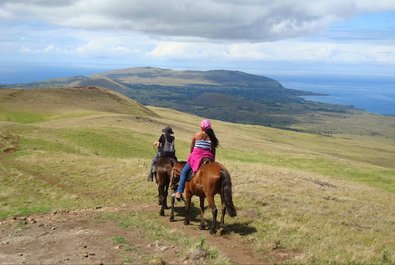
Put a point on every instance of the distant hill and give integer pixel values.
(19, 105)
(220, 94)
(164, 77)
(99, 81)
(168, 77)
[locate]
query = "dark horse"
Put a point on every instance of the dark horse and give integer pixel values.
(212, 178)
(163, 170)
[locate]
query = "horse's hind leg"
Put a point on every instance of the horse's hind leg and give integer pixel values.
(165, 197)
(162, 211)
(159, 195)
(214, 210)
(202, 224)
(162, 199)
(172, 201)
(223, 212)
(187, 209)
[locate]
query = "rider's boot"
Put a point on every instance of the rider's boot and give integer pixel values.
(151, 173)
(150, 177)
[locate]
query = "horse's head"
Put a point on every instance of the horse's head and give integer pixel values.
(175, 174)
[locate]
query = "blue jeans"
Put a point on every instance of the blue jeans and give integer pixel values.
(184, 173)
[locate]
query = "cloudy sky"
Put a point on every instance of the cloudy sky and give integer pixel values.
(258, 36)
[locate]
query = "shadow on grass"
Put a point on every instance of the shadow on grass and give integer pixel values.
(179, 211)
(242, 229)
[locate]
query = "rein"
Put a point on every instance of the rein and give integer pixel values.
(172, 172)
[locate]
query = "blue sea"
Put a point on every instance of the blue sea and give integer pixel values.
(26, 73)
(375, 94)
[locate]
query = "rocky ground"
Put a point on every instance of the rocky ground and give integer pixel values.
(78, 237)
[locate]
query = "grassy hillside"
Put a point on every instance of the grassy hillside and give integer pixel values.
(305, 197)
(29, 106)
(267, 101)
(169, 77)
(232, 96)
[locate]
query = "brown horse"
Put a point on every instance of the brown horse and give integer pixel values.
(212, 178)
(164, 167)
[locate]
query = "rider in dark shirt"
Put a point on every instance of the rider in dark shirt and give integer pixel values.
(165, 148)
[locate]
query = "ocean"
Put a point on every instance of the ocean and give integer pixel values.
(26, 73)
(375, 94)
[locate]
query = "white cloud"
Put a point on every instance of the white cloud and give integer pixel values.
(282, 51)
(172, 50)
(375, 6)
(216, 32)
(5, 14)
(47, 50)
(246, 51)
(110, 47)
(248, 20)
(25, 50)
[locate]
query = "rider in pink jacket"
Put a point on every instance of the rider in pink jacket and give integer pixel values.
(204, 144)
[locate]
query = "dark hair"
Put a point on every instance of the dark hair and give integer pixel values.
(213, 138)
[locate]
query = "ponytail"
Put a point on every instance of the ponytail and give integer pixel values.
(212, 136)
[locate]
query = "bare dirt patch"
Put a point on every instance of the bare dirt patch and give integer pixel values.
(81, 237)
(77, 237)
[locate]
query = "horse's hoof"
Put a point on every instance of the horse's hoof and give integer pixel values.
(213, 231)
(162, 213)
(171, 219)
(202, 227)
(186, 222)
(222, 231)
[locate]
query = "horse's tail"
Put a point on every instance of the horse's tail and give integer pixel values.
(226, 192)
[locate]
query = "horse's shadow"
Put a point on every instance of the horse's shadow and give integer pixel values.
(242, 228)
(179, 211)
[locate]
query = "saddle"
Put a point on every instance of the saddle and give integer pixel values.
(205, 160)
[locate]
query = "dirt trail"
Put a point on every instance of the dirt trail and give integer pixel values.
(78, 237)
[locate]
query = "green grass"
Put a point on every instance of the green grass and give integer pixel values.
(320, 219)
(119, 240)
(109, 141)
(28, 188)
(321, 199)
(380, 177)
(25, 117)
(28, 144)
(29, 117)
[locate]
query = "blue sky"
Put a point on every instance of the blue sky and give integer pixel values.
(355, 37)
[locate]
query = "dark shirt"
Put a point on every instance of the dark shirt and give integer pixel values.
(162, 142)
